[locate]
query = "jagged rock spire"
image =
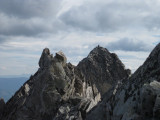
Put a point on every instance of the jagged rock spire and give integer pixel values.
(45, 59)
(60, 55)
(61, 91)
(101, 66)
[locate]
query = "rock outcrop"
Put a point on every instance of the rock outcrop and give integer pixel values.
(103, 69)
(61, 91)
(98, 88)
(2, 107)
(137, 98)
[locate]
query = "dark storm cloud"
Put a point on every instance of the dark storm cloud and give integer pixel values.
(127, 44)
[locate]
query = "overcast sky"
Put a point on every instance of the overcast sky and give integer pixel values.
(131, 29)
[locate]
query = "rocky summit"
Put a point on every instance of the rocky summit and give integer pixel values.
(98, 88)
(137, 98)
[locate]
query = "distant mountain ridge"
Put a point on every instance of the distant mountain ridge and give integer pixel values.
(15, 76)
(8, 86)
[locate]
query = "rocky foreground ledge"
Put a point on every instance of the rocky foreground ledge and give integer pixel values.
(98, 88)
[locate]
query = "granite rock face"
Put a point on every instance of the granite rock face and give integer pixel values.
(137, 98)
(103, 69)
(61, 91)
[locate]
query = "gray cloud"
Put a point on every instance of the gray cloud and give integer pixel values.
(30, 8)
(14, 26)
(127, 44)
(3, 39)
(112, 16)
(29, 18)
(28, 27)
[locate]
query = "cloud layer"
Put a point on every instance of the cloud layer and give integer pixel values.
(111, 16)
(75, 27)
(29, 17)
(126, 44)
